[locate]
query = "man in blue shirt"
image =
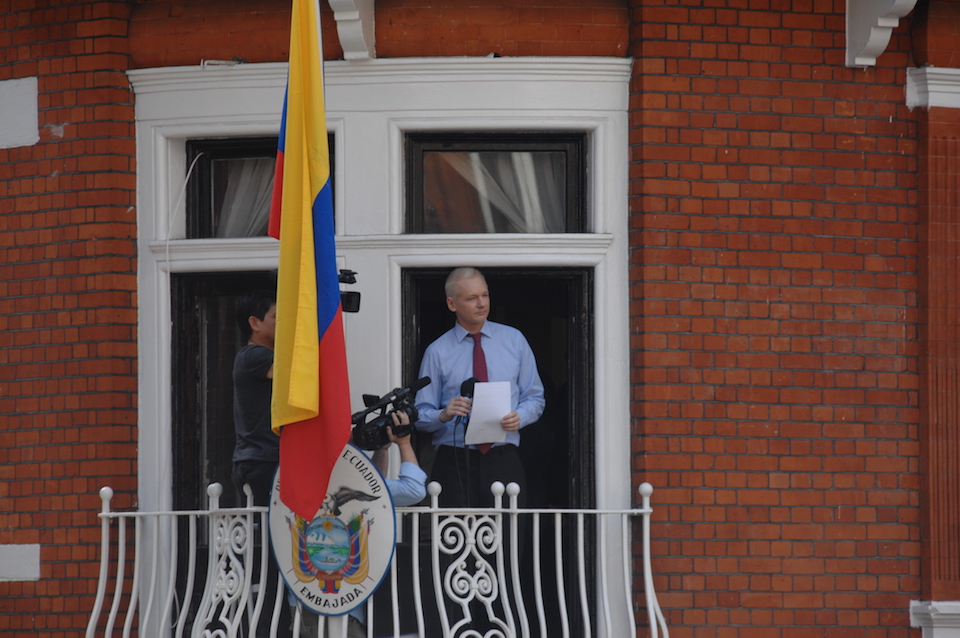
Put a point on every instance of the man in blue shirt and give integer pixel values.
(466, 472)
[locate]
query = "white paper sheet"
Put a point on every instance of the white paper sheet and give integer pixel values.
(491, 402)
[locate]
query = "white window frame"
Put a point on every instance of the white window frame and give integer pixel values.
(370, 106)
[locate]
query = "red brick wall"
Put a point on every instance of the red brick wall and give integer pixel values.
(174, 33)
(410, 28)
(67, 306)
(939, 276)
(774, 308)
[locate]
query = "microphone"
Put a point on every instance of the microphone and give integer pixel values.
(466, 390)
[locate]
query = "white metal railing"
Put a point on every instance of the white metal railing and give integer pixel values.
(456, 573)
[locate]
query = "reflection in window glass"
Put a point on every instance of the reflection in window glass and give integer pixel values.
(495, 182)
(494, 192)
(242, 189)
(231, 186)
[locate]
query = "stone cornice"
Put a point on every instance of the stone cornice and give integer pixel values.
(931, 86)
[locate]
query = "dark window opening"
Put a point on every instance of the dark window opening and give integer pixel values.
(206, 339)
(553, 307)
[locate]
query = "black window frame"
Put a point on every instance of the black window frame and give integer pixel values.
(574, 144)
(200, 186)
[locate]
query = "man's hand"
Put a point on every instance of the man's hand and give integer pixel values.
(458, 406)
(407, 455)
(399, 418)
(511, 422)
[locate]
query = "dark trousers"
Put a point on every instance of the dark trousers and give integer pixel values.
(466, 475)
(259, 476)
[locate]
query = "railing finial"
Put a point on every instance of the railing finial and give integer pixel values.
(434, 489)
(214, 491)
(106, 495)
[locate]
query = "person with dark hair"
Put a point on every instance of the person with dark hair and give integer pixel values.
(257, 451)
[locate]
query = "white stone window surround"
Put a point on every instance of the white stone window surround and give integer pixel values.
(370, 105)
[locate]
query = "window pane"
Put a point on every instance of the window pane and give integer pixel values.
(242, 190)
(494, 192)
(231, 186)
(495, 182)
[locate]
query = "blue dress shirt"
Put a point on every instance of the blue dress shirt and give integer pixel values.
(448, 362)
(409, 488)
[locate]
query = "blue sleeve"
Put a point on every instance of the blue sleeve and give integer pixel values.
(531, 401)
(410, 488)
(429, 398)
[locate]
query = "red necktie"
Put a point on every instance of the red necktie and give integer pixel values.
(480, 372)
(479, 361)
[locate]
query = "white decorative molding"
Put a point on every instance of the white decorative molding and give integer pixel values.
(936, 618)
(869, 25)
(932, 86)
(355, 27)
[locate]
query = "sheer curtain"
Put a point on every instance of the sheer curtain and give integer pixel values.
(519, 192)
(245, 210)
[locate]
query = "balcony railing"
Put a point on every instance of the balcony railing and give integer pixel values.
(502, 572)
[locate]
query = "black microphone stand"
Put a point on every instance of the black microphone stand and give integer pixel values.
(466, 390)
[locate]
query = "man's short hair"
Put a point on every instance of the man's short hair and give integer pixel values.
(458, 274)
(256, 303)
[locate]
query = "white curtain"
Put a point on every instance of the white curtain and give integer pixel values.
(246, 201)
(526, 189)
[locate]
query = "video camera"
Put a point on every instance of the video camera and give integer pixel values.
(372, 435)
(349, 300)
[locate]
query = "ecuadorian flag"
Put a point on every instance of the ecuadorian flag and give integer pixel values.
(311, 392)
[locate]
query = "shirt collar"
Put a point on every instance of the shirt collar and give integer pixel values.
(462, 333)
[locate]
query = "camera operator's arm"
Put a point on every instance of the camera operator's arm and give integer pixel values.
(410, 487)
(381, 458)
(407, 455)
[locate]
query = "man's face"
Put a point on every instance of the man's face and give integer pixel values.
(265, 330)
(471, 303)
